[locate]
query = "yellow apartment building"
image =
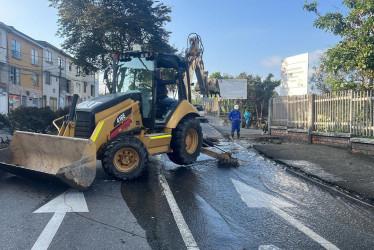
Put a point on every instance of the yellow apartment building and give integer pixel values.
(25, 70)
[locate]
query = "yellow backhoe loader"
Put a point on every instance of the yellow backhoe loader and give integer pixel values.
(123, 128)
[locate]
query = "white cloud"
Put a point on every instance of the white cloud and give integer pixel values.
(272, 61)
(315, 55)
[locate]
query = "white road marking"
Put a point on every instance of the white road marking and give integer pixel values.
(49, 232)
(70, 201)
(187, 236)
(268, 247)
(256, 198)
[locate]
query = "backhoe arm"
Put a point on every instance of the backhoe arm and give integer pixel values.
(194, 58)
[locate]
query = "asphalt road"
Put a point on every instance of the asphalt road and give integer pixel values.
(257, 205)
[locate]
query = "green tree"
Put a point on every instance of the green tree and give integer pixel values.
(259, 93)
(354, 54)
(216, 75)
(95, 29)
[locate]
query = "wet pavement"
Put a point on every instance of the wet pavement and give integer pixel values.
(257, 205)
(219, 219)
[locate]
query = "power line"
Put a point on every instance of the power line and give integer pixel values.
(24, 53)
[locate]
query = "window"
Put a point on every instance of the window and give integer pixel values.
(48, 78)
(36, 79)
(69, 66)
(24, 101)
(53, 103)
(79, 87)
(34, 57)
(48, 55)
(69, 87)
(59, 60)
(35, 102)
(78, 70)
(92, 90)
(85, 87)
(16, 49)
(14, 75)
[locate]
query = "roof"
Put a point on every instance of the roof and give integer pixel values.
(13, 30)
(47, 44)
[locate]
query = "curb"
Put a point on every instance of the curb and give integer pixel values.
(352, 194)
(322, 182)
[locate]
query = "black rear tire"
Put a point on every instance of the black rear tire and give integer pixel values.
(125, 158)
(186, 141)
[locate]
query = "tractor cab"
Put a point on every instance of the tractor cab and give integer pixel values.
(158, 80)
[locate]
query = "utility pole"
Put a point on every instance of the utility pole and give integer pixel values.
(59, 85)
(114, 78)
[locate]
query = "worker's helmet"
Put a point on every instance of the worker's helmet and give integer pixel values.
(236, 107)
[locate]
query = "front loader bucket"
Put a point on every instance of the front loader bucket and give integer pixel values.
(71, 160)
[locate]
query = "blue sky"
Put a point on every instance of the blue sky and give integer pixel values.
(238, 35)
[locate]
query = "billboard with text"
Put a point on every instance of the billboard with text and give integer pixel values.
(233, 88)
(294, 75)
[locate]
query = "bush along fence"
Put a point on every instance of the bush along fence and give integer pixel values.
(341, 119)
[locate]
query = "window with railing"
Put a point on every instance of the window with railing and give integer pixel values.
(48, 78)
(14, 75)
(48, 56)
(34, 57)
(36, 79)
(59, 60)
(16, 49)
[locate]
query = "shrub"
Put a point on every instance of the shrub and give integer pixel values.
(62, 112)
(4, 121)
(32, 119)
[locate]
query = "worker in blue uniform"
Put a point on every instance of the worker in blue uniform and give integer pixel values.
(235, 118)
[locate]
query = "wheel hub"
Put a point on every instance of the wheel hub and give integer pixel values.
(126, 159)
(192, 140)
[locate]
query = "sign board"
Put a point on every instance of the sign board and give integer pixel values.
(233, 88)
(294, 75)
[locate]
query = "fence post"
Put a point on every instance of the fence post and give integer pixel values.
(270, 115)
(351, 113)
(311, 116)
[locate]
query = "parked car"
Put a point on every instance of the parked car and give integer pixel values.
(202, 113)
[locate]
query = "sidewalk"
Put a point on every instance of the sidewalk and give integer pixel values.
(244, 133)
(339, 167)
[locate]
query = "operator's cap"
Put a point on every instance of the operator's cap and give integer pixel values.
(236, 107)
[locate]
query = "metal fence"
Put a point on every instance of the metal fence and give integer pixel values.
(290, 111)
(340, 112)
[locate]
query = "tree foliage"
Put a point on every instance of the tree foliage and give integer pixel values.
(354, 54)
(260, 91)
(96, 29)
(218, 75)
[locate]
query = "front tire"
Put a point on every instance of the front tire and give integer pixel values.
(186, 141)
(125, 158)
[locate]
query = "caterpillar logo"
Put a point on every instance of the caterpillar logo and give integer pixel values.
(121, 117)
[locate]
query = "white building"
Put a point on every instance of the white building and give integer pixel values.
(54, 74)
(62, 79)
(3, 69)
